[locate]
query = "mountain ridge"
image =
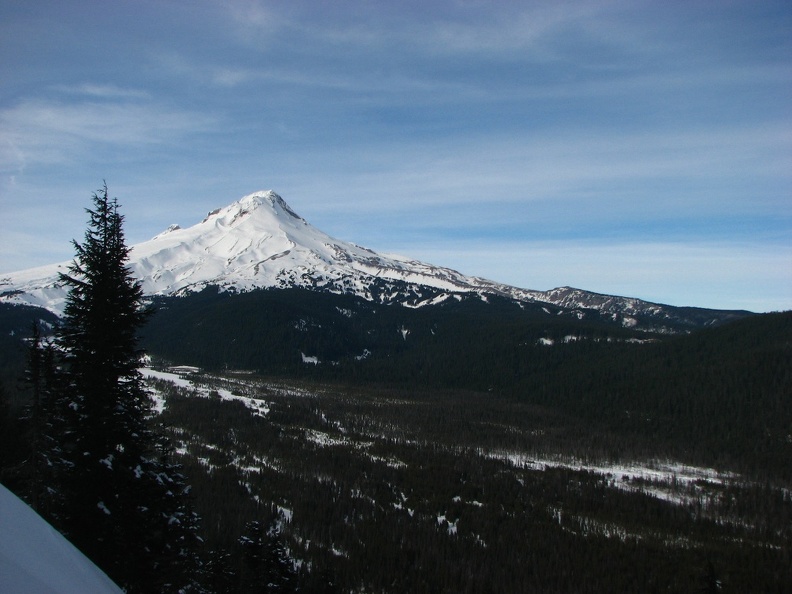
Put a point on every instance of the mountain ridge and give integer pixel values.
(259, 241)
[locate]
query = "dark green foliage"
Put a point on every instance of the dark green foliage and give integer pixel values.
(98, 472)
(269, 330)
(717, 396)
(15, 323)
(368, 482)
(18, 344)
(33, 459)
(7, 433)
(47, 429)
(218, 573)
(108, 407)
(266, 566)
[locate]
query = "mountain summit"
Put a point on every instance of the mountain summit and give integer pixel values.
(260, 242)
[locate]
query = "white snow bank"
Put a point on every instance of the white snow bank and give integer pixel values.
(258, 406)
(36, 559)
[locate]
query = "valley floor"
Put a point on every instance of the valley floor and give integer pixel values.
(388, 490)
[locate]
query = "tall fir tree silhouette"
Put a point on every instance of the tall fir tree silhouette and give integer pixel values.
(124, 503)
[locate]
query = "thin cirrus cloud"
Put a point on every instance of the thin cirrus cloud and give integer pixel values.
(102, 91)
(51, 131)
(552, 166)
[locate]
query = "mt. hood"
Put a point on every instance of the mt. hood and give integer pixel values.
(260, 242)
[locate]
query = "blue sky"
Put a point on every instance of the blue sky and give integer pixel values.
(633, 148)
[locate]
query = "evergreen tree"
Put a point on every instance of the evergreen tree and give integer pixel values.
(220, 577)
(124, 504)
(280, 575)
(44, 458)
(253, 544)
(266, 563)
(5, 431)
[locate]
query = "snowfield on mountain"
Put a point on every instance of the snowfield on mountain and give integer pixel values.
(260, 242)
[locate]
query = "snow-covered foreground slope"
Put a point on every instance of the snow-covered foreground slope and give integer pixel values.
(36, 559)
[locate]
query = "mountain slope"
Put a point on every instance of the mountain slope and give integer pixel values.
(260, 242)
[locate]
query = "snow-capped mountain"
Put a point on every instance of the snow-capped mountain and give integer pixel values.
(260, 242)
(257, 242)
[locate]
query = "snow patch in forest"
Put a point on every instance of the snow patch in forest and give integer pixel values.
(309, 359)
(323, 439)
(389, 461)
(670, 481)
(157, 401)
(259, 407)
(451, 526)
(474, 503)
(256, 464)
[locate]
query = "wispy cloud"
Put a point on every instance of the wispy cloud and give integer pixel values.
(102, 91)
(440, 28)
(47, 131)
(570, 166)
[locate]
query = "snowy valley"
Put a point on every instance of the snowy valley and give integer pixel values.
(381, 488)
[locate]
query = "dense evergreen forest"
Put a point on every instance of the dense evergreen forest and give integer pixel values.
(409, 490)
(331, 444)
(16, 330)
(716, 396)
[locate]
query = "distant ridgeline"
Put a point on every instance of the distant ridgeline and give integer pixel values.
(479, 342)
(259, 242)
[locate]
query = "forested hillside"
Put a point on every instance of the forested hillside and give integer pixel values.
(331, 444)
(412, 490)
(716, 396)
(16, 330)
